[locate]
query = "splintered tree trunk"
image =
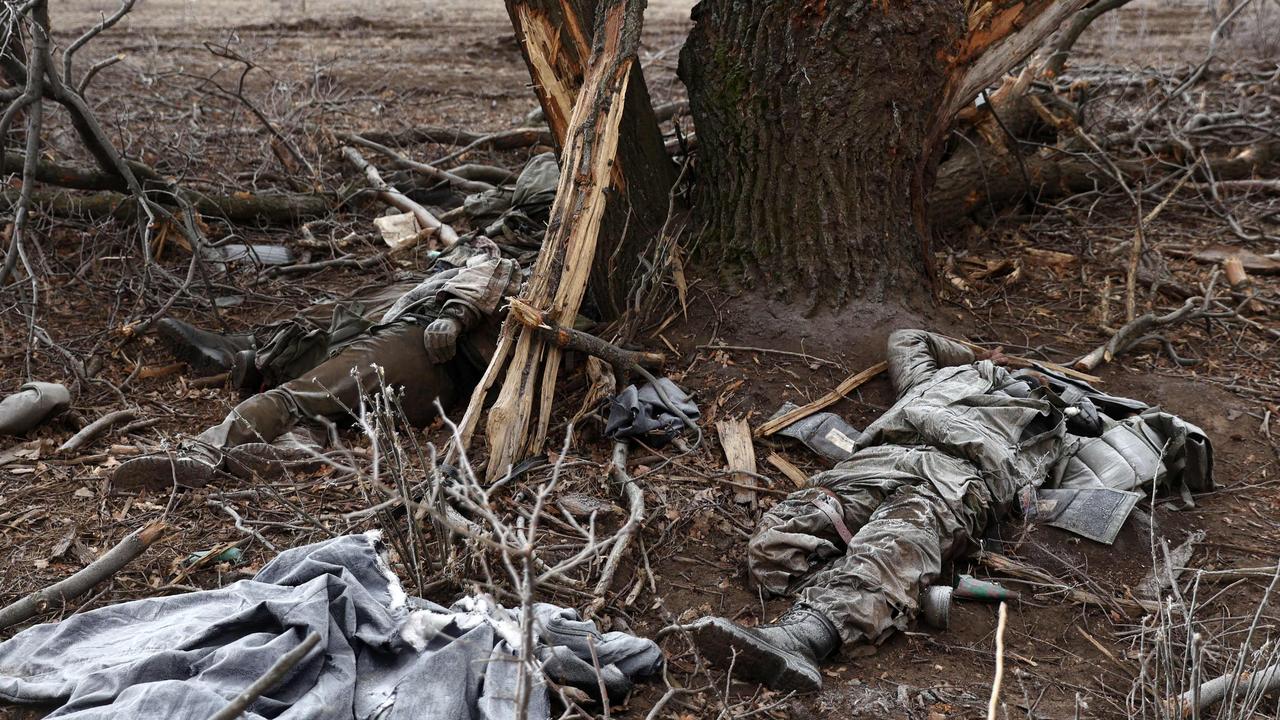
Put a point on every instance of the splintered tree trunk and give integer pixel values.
(818, 127)
(560, 276)
(556, 39)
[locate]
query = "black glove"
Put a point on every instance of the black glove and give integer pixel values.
(1085, 421)
(441, 339)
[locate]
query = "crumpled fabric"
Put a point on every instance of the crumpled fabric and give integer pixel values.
(642, 413)
(381, 656)
(479, 287)
(522, 211)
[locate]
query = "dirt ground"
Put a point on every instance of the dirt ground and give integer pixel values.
(326, 66)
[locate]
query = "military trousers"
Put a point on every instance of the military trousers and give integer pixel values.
(391, 356)
(869, 536)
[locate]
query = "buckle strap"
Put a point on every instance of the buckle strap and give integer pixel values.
(829, 503)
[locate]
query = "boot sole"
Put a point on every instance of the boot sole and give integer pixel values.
(266, 462)
(724, 643)
(159, 473)
(185, 350)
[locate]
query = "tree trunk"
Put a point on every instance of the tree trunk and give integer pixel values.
(556, 40)
(819, 124)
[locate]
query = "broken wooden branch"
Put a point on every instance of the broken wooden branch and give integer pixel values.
(81, 582)
(555, 39)
(1002, 33)
(429, 171)
(1029, 573)
(847, 386)
(399, 200)
(627, 488)
(269, 679)
(786, 467)
(623, 361)
(1198, 699)
(559, 280)
(96, 428)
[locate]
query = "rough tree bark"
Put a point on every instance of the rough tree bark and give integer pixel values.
(819, 125)
(556, 41)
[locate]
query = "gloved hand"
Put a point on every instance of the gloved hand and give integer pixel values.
(441, 339)
(1085, 421)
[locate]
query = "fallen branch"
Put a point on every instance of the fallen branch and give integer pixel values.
(1029, 573)
(971, 182)
(842, 390)
(96, 428)
(236, 208)
(399, 200)
(1199, 699)
(269, 679)
(631, 492)
(1138, 331)
(81, 582)
(504, 140)
(430, 171)
(623, 361)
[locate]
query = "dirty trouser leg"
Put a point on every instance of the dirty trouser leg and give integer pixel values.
(796, 536)
(334, 387)
(875, 587)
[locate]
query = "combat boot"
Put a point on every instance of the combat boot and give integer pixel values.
(188, 468)
(783, 655)
(203, 351)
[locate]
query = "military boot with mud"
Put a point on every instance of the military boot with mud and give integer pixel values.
(203, 351)
(783, 655)
(162, 471)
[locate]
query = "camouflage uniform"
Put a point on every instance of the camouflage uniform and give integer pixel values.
(926, 479)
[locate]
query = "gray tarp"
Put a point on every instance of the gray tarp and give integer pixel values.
(381, 654)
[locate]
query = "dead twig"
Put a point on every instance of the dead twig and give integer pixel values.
(843, 389)
(96, 428)
(628, 489)
(81, 582)
(399, 200)
(269, 679)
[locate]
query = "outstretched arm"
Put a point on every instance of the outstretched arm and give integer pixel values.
(915, 355)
